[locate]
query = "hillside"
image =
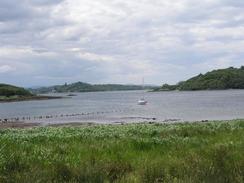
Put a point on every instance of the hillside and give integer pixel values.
(85, 87)
(10, 93)
(9, 90)
(230, 78)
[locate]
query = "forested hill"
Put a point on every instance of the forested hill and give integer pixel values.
(85, 87)
(9, 90)
(230, 78)
(10, 93)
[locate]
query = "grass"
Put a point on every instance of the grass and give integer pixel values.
(190, 152)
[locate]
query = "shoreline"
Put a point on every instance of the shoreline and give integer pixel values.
(24, 124)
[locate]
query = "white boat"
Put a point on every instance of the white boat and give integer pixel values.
(142, 101)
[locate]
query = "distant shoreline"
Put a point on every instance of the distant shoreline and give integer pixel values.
(86, 87)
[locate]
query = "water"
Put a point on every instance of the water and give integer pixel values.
(104, 107)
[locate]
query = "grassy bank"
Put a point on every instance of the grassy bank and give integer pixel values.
(198, 152)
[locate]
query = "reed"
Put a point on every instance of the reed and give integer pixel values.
(189, 152)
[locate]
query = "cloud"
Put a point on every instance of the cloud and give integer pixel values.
(6, 69)
(52, 42)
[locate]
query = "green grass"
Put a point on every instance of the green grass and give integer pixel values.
(9, 98)
(10, 90)
(191, 152)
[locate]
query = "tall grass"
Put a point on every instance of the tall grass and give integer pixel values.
(190, 152)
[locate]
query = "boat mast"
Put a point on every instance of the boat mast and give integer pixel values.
(143, 88)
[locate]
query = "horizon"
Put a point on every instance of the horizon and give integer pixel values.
(46, 43)
(146, 84)
(32, 87)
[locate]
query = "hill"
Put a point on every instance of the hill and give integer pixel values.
(10, 90)
(10, 93)
(85, 87)
(230, 78)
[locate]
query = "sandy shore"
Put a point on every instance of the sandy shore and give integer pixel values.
(20, 124)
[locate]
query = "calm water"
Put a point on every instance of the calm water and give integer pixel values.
(122, 107)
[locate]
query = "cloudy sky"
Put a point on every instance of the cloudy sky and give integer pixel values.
(44, 42)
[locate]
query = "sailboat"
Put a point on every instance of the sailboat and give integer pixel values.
(142, 101)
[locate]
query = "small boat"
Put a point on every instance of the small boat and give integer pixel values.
(142, 102)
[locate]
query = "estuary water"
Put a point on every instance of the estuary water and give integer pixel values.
(121, 106)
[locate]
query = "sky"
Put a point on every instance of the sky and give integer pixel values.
(45, 42)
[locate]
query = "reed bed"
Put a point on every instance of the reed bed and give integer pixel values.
(183, 152)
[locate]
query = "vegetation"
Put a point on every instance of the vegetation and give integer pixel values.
(190, 152)
(9, 93)
(85, 87)
(230, 78)
(9, 90)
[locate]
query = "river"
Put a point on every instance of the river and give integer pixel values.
(121, 106)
